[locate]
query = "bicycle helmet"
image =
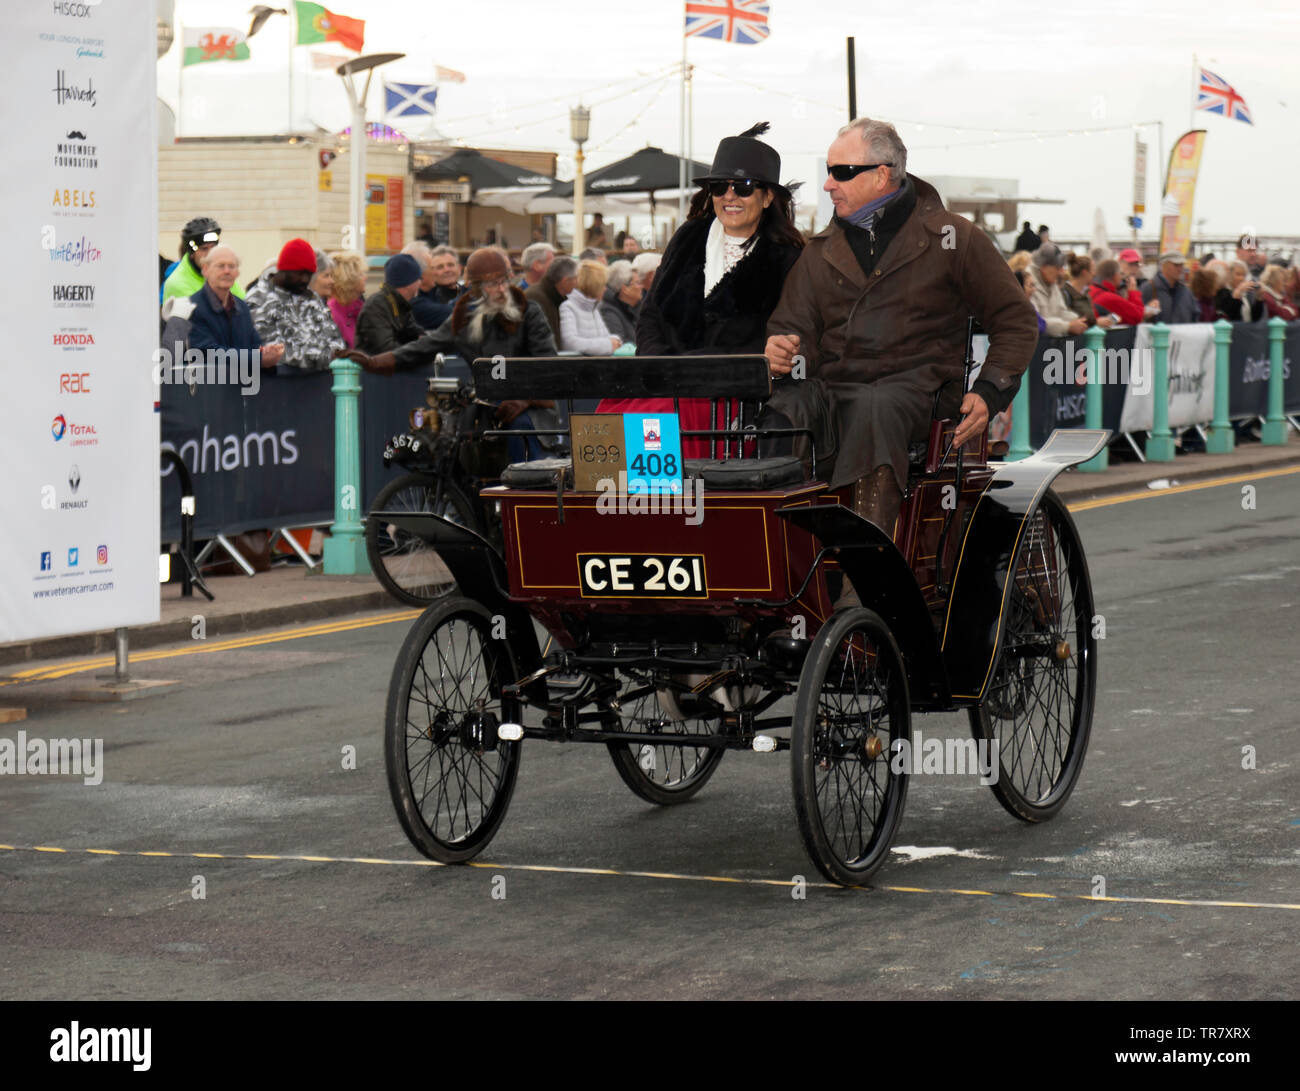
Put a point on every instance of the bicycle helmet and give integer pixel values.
(199, 231)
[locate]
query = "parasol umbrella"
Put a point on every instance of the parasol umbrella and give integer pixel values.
(650, 170)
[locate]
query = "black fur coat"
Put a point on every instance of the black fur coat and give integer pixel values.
(677, 319)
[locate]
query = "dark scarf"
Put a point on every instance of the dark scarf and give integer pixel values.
(869, 244)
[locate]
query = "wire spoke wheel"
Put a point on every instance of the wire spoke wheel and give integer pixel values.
(408, 566)
(851, 714)
(449, 775)
(1038, 708)
(661, 773)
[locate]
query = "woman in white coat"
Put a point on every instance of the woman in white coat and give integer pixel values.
(582, 328)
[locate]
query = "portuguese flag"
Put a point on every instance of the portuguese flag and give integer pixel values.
(214, 44)
(317, 24)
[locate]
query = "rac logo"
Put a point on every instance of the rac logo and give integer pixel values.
(74, 382)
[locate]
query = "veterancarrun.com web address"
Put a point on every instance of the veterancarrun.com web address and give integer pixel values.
(1178, 1057)
(72, 589)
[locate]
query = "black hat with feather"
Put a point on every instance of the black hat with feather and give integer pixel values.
(745, 156)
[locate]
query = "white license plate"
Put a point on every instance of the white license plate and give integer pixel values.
(642, 575)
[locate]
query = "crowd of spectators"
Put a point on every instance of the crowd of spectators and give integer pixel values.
(307, 307)
(1072, 291)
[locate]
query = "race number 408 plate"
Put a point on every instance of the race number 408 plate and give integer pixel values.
(642, 575)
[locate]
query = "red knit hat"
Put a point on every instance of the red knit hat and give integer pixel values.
(297, 254)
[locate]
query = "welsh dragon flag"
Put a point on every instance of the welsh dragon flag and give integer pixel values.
(317, 24)
(214, 44)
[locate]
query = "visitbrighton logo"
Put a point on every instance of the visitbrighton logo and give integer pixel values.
(80, 252)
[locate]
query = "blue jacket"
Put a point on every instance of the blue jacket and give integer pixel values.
(211, 327)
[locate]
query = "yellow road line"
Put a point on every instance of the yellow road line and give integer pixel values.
(61, 670)
(552, 869)
(1191, 486)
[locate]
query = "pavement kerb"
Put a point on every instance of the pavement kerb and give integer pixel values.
(1133, 477)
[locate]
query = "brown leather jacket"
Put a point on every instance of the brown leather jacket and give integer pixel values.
(910, 314)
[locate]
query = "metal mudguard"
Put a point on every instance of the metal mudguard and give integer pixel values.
(480, 573)
(884, 583)
(972, 628)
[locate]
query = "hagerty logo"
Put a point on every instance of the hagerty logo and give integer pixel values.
(73, 295)
(76, 151)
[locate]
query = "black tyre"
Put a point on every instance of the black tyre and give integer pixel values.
(408, 567)
(1039, 704)
(851, 710)
(449, 775)
(663, 774)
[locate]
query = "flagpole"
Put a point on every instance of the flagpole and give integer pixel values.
(1191, 109)
(681, 167)
(292, 27)
(180, 84)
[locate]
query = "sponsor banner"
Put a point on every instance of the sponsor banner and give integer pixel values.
(1054, 403)
(268, 460)
(1190, 376)
(78, 429)
(1180, 192)
(1249, 366)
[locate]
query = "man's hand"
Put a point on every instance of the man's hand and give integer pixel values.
(780, 352)
(508, 411)
(975, 418)
(1078, 325)
(383, 364)
(272, 354)
(1106, 321)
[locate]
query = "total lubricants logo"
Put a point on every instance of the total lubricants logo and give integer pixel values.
(77, 434)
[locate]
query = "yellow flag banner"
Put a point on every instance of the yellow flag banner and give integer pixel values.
(1180, 192)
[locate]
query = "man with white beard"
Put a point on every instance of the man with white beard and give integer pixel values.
(491, 318)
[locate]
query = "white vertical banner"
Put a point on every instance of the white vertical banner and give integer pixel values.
(78, 419)
(1190, 378)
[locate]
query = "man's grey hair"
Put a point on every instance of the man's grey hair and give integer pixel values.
(535, 253)
(621, 274)
(592, 253)
(438, 251)
(647, 261)
(420, 252)
(563, 266)
(884, 145)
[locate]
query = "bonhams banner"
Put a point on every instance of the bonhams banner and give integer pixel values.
(78, 431)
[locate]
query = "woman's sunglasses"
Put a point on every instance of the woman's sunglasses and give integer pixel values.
(846, 172)
(743, 188)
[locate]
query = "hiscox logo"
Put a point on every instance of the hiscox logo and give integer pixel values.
(65, 92)
(75, 9)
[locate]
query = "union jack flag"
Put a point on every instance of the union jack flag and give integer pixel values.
(1215, 95)
(741, 21)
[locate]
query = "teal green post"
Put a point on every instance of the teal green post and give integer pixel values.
(1160, 443)
(1094, 338)
(345, 548)
(1221, 441)
(1020, 446)
(1275, 423)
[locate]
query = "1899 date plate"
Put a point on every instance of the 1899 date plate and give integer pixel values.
(642, 575)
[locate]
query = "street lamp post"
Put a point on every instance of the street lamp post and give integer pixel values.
(349, 70)
(579, 128)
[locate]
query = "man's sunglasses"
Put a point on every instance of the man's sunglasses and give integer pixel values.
(846, 172)
(743, 188)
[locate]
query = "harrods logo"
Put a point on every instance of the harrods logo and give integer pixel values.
(76, 151)
(65, 92)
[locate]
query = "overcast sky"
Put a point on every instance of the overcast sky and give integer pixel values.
(977, 88)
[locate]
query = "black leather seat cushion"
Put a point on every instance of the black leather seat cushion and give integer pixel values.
(541, 473)
(747, 473)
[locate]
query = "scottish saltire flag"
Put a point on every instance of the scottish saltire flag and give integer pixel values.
(1215, 95)
(741, 21)
(404, 99)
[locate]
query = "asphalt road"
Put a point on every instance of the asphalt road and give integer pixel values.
(1201, 600)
